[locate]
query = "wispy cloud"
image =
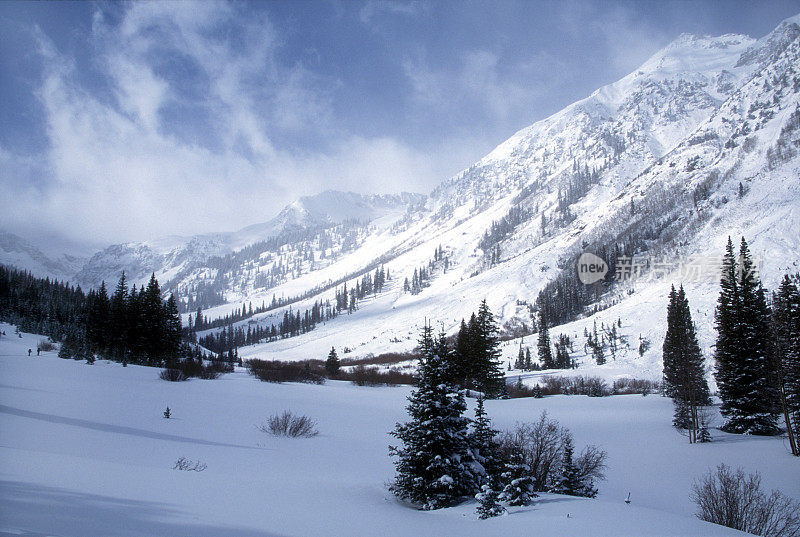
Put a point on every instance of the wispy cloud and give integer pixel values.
(122, 164)
(480, 83)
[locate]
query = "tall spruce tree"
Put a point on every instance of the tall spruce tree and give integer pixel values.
(118, 325)
(543, 345)
(435, 466)
(488, 375)
(786, 335)
(743, 351)
(684, 367)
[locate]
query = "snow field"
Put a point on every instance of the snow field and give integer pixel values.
(86, 451)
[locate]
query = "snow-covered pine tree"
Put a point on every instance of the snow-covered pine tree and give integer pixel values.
(518, 484)
(569, 480)
(563, 360)
(485, 449)
(488, 503)
(435, 466)
(519, 364)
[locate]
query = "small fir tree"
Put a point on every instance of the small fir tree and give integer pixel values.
(569, 480)
(332, 363)
(488, 503)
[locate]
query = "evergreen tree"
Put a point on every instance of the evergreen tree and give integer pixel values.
(520, 362)
(67, 349)
(485, 449)
(487, 372)
(435, 467)
(543, 345)
(684, 369)
(98, 313)
(173, 327)
(786, 335)
(461, 363)
(332, 363)
(153, 316)
(569, 480)
(743, 350)
(488, 503)
(118, 325)
(563, 360)
(518, 483)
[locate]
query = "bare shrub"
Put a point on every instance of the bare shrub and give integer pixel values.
(387, 358)
(291, 425)
(277, 371)
(172, 375)
(591, 464)
(188, 465)
(45, 345)
(591, 386)
(627, 386)
(372, 376)
(540, 446)
(733, 499)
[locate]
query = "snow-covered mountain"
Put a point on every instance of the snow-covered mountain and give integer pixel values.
(178, 257)
(699, 143)
(16, 251)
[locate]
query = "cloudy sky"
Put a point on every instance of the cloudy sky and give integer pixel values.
(130, 121)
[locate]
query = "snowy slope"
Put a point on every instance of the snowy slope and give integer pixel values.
(667, 148)
(80, 457)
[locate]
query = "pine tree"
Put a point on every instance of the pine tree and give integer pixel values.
(172, 333)
(569, 480)
(485, 449)
(461, 363)
(332, 363)
(744, 366)
(488, 375)
(435, 467)
(154, 319)
(520, 362)
(488, 503)
(543, 345)
(786, 335)
(684, 369)
(118, 326)
(518, 484)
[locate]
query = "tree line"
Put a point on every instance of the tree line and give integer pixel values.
(130, 326)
